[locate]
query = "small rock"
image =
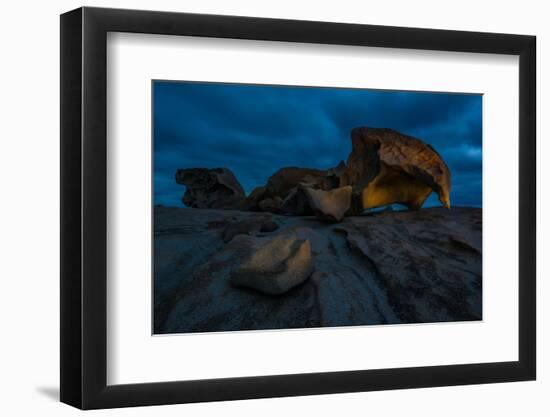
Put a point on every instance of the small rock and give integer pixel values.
(330, 205)
(276, 266)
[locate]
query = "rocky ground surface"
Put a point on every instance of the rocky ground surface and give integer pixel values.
(384, 268)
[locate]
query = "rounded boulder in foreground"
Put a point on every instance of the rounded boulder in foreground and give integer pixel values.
(276, 266)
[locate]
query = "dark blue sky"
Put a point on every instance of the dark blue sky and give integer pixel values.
(256, 129)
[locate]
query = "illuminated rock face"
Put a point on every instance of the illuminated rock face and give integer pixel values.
(391, 186)
(387, 167)
(330, 205)
(384, 167)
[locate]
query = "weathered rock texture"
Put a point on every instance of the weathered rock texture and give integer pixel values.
(275, 265)
(387, 167)
(389, 267)
(210, 188)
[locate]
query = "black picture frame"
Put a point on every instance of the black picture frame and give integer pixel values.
(84, 207)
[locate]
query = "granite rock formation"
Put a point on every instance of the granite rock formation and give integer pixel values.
(381, 268)
(384, 167)
(387, 167)
(304, 250)
(216, 188)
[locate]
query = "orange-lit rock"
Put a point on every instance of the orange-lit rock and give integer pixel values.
(387, 167)
(210, 188)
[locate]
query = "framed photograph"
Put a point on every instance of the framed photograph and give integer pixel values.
(258, 208)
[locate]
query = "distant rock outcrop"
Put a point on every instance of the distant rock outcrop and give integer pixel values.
(210, 188)
(384, 167)
(284, 180)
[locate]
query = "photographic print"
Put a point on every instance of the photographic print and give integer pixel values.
(291, 207)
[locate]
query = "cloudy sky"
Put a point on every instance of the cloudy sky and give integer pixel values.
(255, 130)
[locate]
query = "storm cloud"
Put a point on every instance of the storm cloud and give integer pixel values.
(256, 129)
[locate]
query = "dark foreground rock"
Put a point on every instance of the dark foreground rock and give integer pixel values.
(389, 267)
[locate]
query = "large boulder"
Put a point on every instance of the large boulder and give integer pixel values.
(387, 167)
(276, 266)
(216, 188)
(330, 205)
